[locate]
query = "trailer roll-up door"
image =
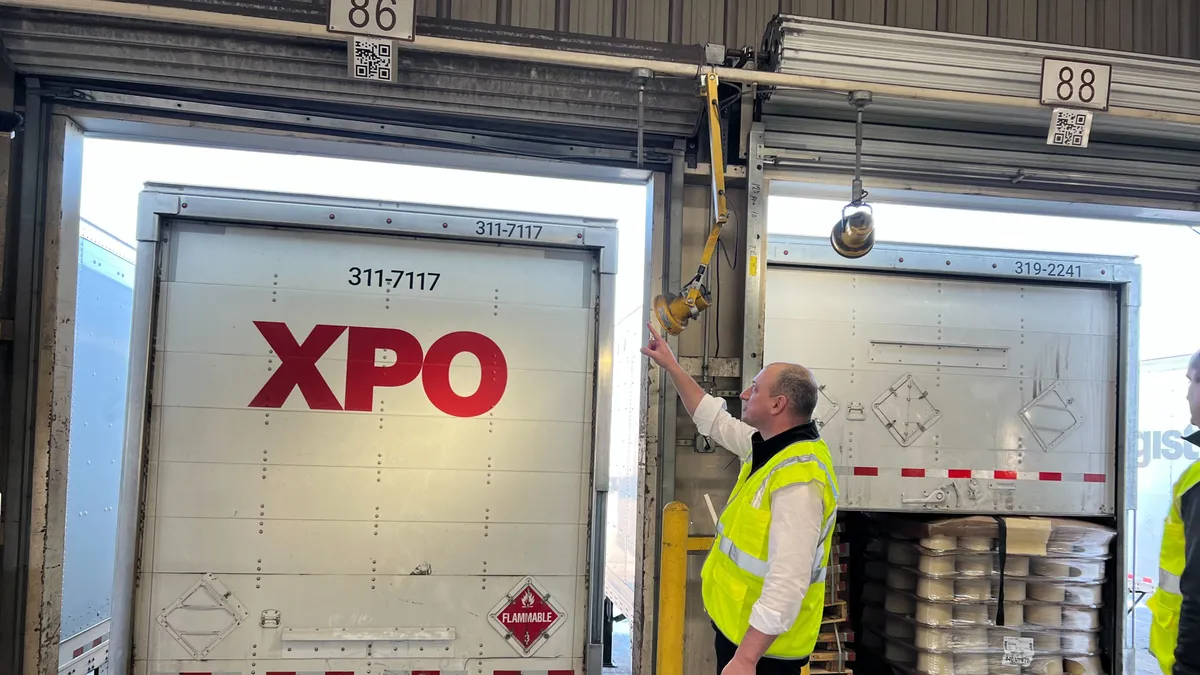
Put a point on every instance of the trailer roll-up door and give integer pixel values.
(360, 457)
(971, 147)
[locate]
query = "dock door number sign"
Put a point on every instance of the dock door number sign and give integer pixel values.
(527, 616)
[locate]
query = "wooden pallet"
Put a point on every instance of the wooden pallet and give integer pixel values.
(840, 594)
(836, 613)
(831, 657)
(826, 659)
(830, 638)
(830, 662)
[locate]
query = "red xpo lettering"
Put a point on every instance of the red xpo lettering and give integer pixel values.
(298, 368)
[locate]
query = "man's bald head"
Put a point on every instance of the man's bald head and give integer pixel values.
(798, 385)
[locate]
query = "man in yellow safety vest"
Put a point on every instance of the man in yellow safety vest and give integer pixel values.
(764, 579)
(1175, 633)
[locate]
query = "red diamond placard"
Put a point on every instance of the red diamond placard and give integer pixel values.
(527, 616)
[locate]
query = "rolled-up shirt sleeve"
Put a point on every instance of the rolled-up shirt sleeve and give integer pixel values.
(797, 516)
(713, 421)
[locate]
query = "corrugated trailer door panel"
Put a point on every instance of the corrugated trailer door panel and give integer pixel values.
(924, 301)
(331, 547)
(336, 493)
(205, 380)
(1005, 391)
(253, 258)
(960, 428)
(427, 317)
(409, 601)
(390, 486)
(436, 443)
(959, 351)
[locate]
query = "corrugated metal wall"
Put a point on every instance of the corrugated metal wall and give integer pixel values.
(1162, 27)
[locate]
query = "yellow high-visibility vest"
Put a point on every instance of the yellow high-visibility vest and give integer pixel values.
(737, 563)
(1166, 601)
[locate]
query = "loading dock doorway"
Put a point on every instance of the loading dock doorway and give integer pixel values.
(116, 169)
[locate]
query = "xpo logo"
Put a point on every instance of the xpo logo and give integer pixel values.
(298, 368)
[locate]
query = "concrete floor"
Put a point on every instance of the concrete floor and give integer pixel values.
(622, 650)
(1146, 664)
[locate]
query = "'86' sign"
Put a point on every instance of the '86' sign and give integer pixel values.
(298, 369)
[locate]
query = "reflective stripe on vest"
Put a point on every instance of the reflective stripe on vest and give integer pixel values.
(742, 559)
(760, 568)
(758, 496)
(818, 566)
(1168, 582)
(736, 567)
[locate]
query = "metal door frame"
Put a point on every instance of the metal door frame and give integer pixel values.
(160, 204)
(258, 131)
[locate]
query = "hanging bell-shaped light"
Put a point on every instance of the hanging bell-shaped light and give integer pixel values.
(854, 235)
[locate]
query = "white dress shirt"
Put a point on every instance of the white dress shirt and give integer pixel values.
(797, 516)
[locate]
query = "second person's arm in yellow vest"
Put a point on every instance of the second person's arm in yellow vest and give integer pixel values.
(1187, 650)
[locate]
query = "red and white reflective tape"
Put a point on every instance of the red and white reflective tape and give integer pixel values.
(267, 673)
(386, 672)
(310, 672)
(981, 474)
(95, 643)
(1143, 584)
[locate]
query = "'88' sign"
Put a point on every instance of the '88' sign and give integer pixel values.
(1066, 84)
(1075, 84)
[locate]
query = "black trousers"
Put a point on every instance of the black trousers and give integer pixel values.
(766, 666)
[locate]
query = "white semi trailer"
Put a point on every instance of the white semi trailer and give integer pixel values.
(972, 382)
(363, 438)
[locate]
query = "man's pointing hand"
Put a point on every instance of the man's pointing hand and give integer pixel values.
(658, 350)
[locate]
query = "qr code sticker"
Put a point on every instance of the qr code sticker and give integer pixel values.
(372, 59)
(1070, 128)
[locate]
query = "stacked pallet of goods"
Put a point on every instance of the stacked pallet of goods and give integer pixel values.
(982, 596)
(834, 652)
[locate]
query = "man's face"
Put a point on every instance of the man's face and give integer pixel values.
(1193, 391)
(757, 403)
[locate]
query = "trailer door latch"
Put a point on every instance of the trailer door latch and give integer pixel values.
(938, 496)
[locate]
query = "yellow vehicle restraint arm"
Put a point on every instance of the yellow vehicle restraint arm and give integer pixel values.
(675, 310)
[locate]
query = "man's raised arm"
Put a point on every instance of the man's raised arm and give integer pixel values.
(709, 413)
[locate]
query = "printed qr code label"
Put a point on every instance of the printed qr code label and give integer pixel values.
(372, 59)
(1070, 128)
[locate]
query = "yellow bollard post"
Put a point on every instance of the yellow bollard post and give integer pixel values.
(672, 589)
